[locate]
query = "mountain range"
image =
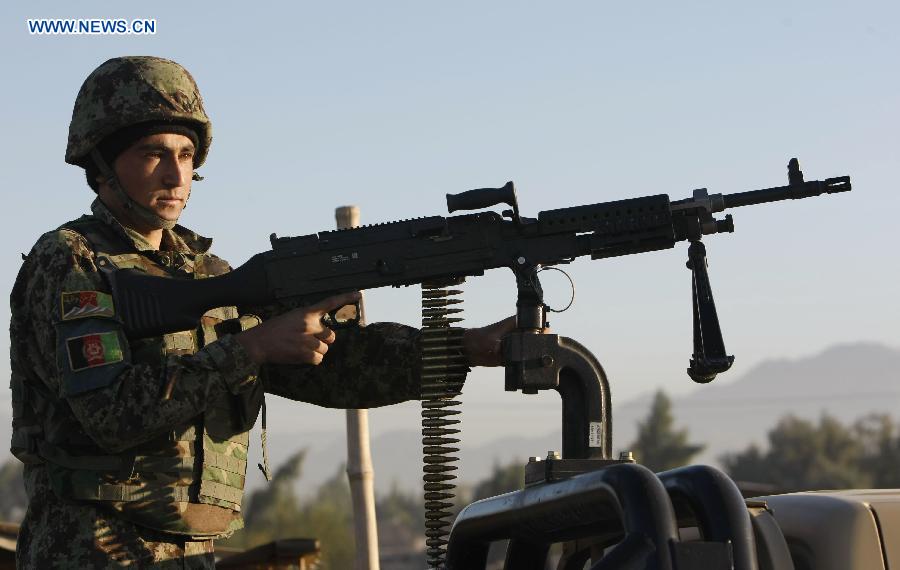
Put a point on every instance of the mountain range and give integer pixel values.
(846, 381)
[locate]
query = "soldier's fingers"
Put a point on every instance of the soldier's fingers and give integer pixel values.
(309, 350)
(335, 302)
(327, 335)
(314, 358)
(310, 342)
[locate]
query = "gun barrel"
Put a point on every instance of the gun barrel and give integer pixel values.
(790, 192)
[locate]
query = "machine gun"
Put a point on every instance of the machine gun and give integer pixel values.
(301, 270)
(438, 252)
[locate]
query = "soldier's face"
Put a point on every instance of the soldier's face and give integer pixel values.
(156, 173)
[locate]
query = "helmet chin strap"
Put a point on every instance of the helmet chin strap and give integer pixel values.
(142, 213)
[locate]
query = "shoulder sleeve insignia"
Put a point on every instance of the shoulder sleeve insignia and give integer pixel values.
(94, 350)
(84, 304)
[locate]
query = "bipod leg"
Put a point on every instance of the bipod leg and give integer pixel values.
(709, 356)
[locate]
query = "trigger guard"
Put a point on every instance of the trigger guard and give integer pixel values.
(330, 320)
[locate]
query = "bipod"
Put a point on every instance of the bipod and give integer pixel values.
(709, 356)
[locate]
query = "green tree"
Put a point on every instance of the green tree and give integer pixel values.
(879, 440)
(659, 446)
(502, 479)
(406, 510)
(276, 512)
(328, 516)
(276, 505)
(13, 500)
(803, 455)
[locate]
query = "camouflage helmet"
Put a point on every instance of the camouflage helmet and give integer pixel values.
(125, 91)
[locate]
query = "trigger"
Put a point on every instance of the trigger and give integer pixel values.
(343, 317)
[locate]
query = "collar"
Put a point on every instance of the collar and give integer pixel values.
(178, 239)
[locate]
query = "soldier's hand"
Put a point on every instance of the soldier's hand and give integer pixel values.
(296, 337)
(482, 346)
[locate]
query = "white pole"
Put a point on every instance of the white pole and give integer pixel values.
(359, 458)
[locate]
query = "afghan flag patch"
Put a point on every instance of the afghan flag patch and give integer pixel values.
(84, 304)
(93, 350)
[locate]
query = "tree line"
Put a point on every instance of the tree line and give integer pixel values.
(799, 454)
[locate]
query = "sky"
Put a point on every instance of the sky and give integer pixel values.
(391, 105)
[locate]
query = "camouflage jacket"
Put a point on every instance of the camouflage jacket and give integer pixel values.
(91, 393)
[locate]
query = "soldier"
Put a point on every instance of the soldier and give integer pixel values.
(136, 449)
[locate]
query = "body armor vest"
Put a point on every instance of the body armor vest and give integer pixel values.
(189, 481)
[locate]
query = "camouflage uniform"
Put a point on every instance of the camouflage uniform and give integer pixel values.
(136, 449)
